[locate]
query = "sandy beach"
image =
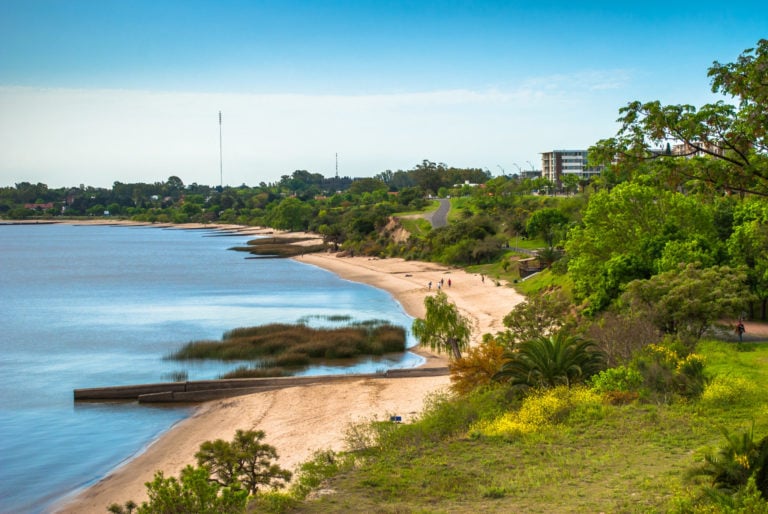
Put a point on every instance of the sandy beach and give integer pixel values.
(299, 421)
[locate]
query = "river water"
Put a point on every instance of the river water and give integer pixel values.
(91, 306)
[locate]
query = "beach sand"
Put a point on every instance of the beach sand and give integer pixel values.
(298, 421)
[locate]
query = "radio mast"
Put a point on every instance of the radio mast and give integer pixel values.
(221, 160)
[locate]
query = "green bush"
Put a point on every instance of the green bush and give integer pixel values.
(620, 379)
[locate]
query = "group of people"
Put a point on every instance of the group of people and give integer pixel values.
(439, 284)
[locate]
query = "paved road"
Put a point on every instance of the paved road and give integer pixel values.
(439, 218)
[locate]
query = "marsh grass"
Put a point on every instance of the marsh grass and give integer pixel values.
(628, 458)
(279, 247)
(284, 346)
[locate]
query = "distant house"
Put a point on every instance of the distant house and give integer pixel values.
(39, 206)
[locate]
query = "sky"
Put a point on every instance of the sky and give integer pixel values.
(98, 91)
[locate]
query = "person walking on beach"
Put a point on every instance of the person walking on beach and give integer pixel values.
(449, 282)
(429, 286)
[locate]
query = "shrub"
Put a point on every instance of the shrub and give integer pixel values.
(726, 391)
(736, 462)
(620, 379)
(667, 372)
(542, 409)
(477, 367)
(559, 359)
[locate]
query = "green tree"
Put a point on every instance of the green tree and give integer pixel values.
(747, 247)
(244, 460)
(192, 493)
(690, 300)
(550, 361)
(734, 137)
(290, 214)
(570, 182)
(623, 236)
(540, 313)
(549, 224)
(443, 329)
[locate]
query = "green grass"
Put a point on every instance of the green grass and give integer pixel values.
(541, 281)
(630, 458)
(418, 227)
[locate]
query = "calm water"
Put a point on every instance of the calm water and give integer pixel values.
(88, 306)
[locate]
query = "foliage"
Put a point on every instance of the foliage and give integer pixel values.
(542, 409)
(245, 460)
(443, 329)
(624, 235)
(622, 334)
(733, 137)
(734, 463)
(549, 224)
(192, 493)
(621, 379)
(443, 417)
(724, 391)
(668, 371)
(690, 300)
(477, 367)
(551, 361)
(541, 313)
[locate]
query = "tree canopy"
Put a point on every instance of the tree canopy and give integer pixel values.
(443, 329)
(733, 135)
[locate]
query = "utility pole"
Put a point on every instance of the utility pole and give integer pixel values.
(221, 159)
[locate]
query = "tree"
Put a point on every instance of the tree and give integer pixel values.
(734, 137)
(245, 460)
(290, 214)
(550, 361)
(570, 182)
(688, 301)
(477, 367)
(192, 493)
(549, 224)
(738, 460)
(539, 314)
(623, 236)
(443, 329)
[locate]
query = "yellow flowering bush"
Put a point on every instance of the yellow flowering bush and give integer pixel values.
(726, 390)
(541, 409)
(665, 371)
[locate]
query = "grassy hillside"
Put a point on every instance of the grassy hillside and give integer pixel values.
(587, 458)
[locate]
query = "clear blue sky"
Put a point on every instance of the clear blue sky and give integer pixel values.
(97, 91)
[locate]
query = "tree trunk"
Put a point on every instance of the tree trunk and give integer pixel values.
(455, 347)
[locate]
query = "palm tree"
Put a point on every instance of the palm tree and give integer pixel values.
(549, 361)
(734, 463)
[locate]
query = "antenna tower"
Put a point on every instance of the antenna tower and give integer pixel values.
(337, 164)
(221, 160)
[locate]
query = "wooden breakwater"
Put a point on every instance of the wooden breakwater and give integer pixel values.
(204, 390)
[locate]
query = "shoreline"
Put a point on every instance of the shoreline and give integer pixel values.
(301, 420)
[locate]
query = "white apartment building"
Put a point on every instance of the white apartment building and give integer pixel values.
(556, 163)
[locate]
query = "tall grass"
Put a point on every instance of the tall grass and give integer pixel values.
(294, 346)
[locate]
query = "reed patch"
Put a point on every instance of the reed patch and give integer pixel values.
(277, 348)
